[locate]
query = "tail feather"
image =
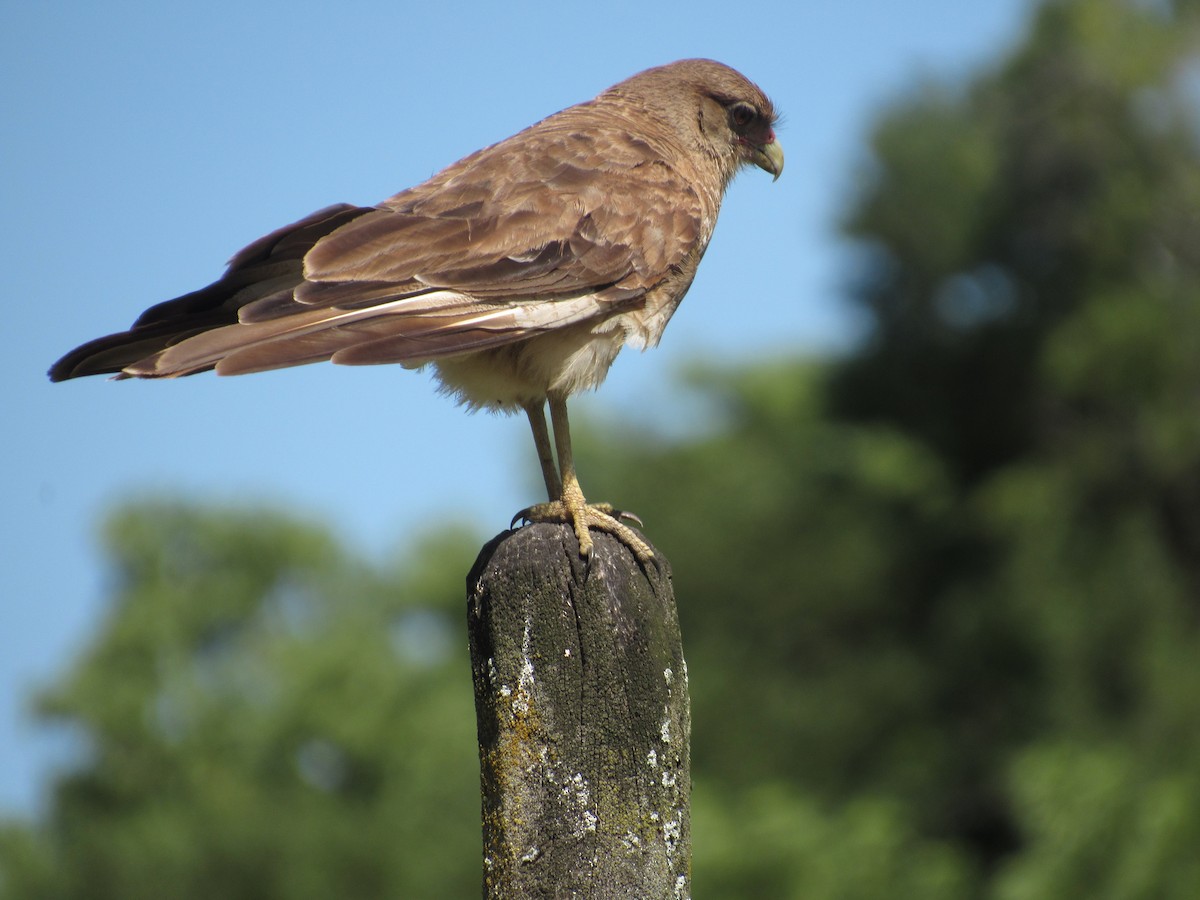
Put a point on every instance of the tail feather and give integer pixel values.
(266, 268)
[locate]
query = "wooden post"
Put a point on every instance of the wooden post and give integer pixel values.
(581, 696)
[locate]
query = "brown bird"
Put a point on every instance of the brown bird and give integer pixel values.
(518, 273)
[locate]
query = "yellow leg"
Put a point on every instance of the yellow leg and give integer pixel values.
(572, 494)
(569, 505)
(541, 440)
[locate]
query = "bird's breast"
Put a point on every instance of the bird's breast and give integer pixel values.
(563, 361)
(569, 359)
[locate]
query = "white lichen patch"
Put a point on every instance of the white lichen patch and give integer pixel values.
(631, 842)
(589, 820)
(531, 855)
(652, 758)
(671, 834)
(668, 779)
(668, 675)
(665, 731)
(581, 788)
(577, 793)
(521, 703)
(520, 706)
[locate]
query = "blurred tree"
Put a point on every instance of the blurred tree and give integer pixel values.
(262, 717)
(931, 572)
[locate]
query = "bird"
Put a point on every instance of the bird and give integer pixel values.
(517, 273)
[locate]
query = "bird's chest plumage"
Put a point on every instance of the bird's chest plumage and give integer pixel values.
(563, 361)
(566, 360)
(644, 326)
(570, 359)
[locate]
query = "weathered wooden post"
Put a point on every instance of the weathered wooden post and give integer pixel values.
(581, 696)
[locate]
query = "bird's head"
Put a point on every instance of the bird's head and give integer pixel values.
(752, 132)
(715, 109)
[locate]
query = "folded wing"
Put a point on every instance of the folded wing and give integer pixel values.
(566, 222)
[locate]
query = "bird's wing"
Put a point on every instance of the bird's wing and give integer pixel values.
(561, 224)
(560, 208)
(269, 266)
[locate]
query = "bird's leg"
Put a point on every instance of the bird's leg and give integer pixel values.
(541, 439)
(570, 505)
(574, 504)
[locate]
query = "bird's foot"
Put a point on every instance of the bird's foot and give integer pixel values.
(585, 516)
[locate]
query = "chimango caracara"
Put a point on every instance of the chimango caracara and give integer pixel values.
(518, 273)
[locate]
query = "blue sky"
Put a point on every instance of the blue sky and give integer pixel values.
(144, 142)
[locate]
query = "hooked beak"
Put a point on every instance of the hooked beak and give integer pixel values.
(769, 157)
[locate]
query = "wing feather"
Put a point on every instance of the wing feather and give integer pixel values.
(572, 220)
(564, 199)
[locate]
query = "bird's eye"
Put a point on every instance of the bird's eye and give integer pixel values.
(742, 114)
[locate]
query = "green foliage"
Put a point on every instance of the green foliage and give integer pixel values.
(941, 598)
(263, 717)
(958, 572)
(1103, 826)
(775, 842)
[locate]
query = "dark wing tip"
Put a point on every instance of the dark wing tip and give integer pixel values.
(108, 355)
(87, 359)
(264, 269)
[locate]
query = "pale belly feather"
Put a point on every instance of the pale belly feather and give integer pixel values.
(506, 378)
